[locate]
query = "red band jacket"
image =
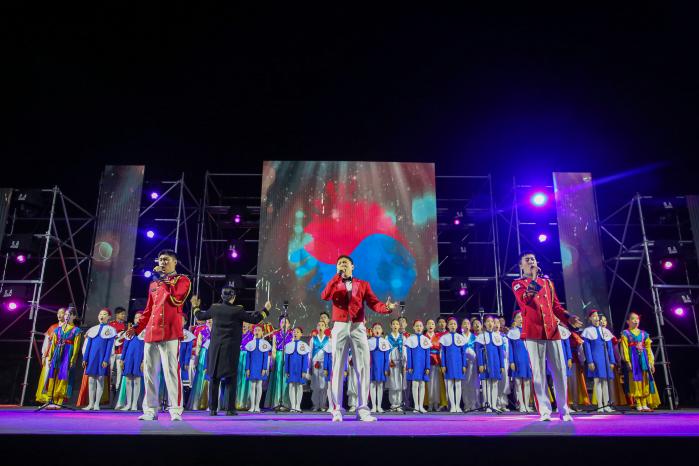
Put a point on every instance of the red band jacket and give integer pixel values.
(539, 312)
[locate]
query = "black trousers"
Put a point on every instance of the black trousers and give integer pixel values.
(231, 383)
(214, 387)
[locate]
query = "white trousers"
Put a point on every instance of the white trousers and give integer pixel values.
(434, 387)
(95, 385)
(376, 396)
(523, 393)
(133, 391)
(346, 335)
(454, 395)
(255, 395)
(601, 387)
(490, 386)
(295, 395)
(418, 388)
(116, 368)
(470, 388)
(319, 389)
(541, 351)
(156, 355)
(396, 384)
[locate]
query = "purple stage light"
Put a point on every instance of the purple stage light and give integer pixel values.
(147, 274)
(236, 219)
(678, 311)
(462, 292)
(543, 237)
(457, 221)
(668, 264)
(150, 234)
(154, 195)
(539, 199)
(234, 254)
(12, 305)
(21, 259)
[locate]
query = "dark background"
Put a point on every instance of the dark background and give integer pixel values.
(512, 92)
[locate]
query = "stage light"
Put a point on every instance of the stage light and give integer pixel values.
(232, 252)
(668, 264)
(237, 218)
(150, 234)
(543, 237)
(539, 199)
(679, 311)
(457, 221)
(12, 305)
(462, 292)
(154, 195)
(147, 274)
(21, 258)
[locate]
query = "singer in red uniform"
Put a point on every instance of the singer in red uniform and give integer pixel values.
(162, 319)
(540, 307)
(348, 295)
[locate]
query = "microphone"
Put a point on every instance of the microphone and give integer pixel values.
(534, 286)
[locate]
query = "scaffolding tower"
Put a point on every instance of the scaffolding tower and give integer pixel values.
(64, 232)
(649, 256)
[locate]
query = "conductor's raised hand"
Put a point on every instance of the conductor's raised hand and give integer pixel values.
(390, 305)
(196, 302)
(268, 306)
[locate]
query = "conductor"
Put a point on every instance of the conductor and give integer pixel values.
(224, 348)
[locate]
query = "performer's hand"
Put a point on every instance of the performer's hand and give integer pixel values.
(570, 363)
(196, 302)
(652, 369)
(387, 373)
(444, 370)
(575, 321)
(410, 371)
(427, 372)
(247, 373)
(268, 306)
(628, 365)
(105, 364)
(264, 371)
(591, 366)
(186, 368)
(512, 366)
(502, 369)
(325, 373)
(130, 332)
(612, 366)
(141, 367)
(481, 369)
(390, 305)
(84, 364)
(463, 369)
(158, 269)
(288, 375)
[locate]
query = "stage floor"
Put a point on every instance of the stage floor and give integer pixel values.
(24, 421)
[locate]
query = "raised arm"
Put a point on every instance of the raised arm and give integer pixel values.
(327, 293)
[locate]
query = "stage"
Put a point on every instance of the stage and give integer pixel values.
(278, 433)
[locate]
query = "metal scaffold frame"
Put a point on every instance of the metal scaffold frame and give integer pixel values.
(216, 205)
(626, 231)
(178, 209)
(516, 242)
(65, 222)
(490, 244)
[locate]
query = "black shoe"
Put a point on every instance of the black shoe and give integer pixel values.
(213, 412)
(231, 412)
